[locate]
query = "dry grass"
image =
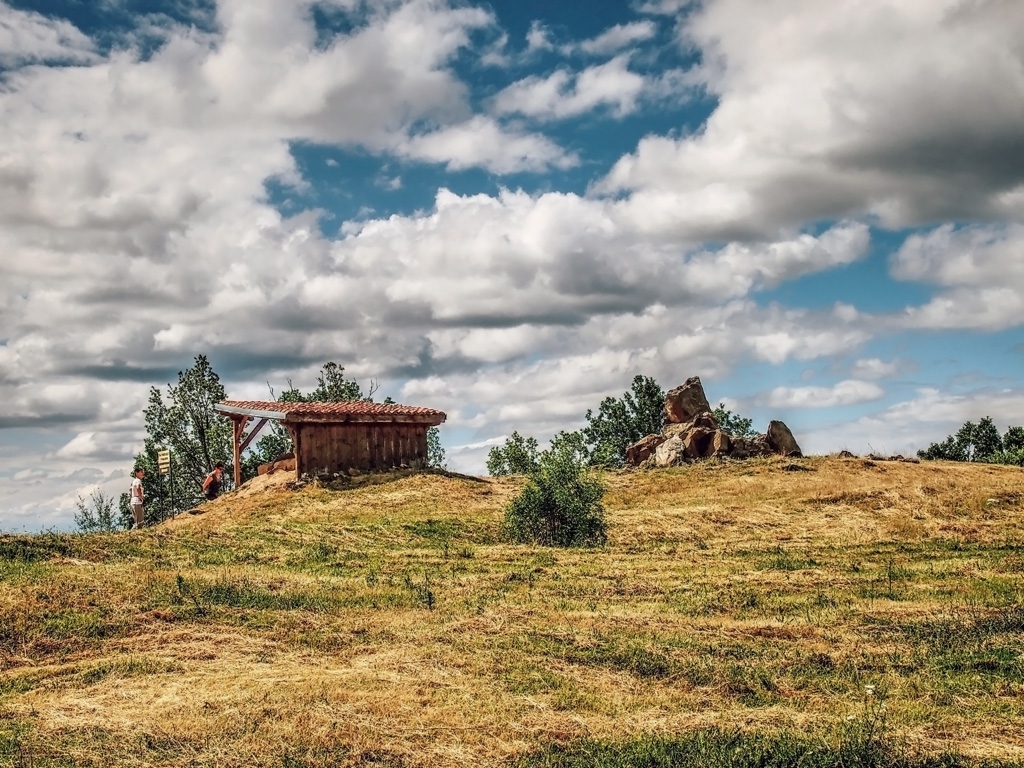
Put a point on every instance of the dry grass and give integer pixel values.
(389, 624)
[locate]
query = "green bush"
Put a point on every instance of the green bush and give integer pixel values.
(561, 505)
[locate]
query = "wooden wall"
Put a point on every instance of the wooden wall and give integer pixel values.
(365, 446)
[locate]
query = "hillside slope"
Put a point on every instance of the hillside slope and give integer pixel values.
(390, 625)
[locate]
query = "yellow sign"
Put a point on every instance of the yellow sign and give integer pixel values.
(163, 461)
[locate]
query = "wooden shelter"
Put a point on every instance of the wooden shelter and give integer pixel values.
(336, 437)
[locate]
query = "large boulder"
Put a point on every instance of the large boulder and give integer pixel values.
(697, 443)
(686, 401)
(721, 443)
(781, 440)
(643, 449)
(705, 420)
(670, 453)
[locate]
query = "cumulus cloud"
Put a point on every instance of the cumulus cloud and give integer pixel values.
(618, 37)
(562, 94)
(911, 425)
(853, 109)
(135, 212)
(31, 37)
(981, 265)
(848, 392)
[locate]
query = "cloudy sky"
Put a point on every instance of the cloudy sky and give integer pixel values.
(506, 210)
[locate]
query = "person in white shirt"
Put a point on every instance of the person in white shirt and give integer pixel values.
(137, 497)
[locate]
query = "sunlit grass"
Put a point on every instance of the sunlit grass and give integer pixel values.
(389, 624)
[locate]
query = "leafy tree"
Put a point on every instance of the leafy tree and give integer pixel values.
(1013, 440)
(185, 423)
(733, 423)
(518, 456)
(435, 451)
(561, 504)
(97, 516)
(620, 422)
(979, 442)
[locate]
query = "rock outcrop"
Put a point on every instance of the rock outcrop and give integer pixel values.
(691, 433)
(686, 401)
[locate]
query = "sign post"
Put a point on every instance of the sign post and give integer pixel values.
(163, 463)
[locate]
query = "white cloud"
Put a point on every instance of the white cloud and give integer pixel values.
(31, 37)
(562, 95)
(848, 392)
(876, 368)
(843, 109)
(911, 425)
(982, 266)
(618, 37)
(481, 142)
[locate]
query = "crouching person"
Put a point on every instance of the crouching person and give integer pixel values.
(213, 481)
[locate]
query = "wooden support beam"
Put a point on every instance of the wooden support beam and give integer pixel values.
(252, 433)
(239, 428)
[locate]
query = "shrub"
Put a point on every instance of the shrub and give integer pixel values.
(561, 505)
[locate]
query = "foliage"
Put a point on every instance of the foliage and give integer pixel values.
(435, 451)
(98, 515)
(980, 442)
(185, 423)
(561, 504)
(518, 456)
(620, 422)
(331, 387)
(733, 423)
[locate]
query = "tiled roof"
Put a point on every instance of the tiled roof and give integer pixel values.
(355, 410)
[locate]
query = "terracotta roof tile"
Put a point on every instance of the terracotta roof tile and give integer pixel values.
(344, 411)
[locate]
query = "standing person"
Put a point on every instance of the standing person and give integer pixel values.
(138, 495)
(211, 485)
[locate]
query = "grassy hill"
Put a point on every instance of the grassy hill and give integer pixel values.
(823, 604)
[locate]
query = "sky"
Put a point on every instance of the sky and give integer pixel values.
(506, 210)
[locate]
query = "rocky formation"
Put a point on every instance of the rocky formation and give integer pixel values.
(691, 433)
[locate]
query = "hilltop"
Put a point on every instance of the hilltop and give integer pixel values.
(389, 624)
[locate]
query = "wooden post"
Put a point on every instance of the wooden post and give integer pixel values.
(239, 423)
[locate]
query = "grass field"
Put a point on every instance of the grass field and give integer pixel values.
(764, 608)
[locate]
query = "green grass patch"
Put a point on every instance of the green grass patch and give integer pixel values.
(713, 748)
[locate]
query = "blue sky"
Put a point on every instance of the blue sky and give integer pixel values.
(506, 211)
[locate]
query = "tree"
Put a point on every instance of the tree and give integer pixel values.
(561, 504)
(517, 456)
(733, 423)
(98, 516)
(185, 423)
(435, 451)
(620, 422)
(979, 442)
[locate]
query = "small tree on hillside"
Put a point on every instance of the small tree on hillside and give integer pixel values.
(620, 422)
(561, 504)
(517, 456)
(972, 442)
(733, 423)
(98, 515)
(184, 422)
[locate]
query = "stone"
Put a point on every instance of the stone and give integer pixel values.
(781, 440)
(697, 443)
(721, 443)
(686, 401)
(749, 447)
(643, 449)
(670, 452)
(705, 420)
